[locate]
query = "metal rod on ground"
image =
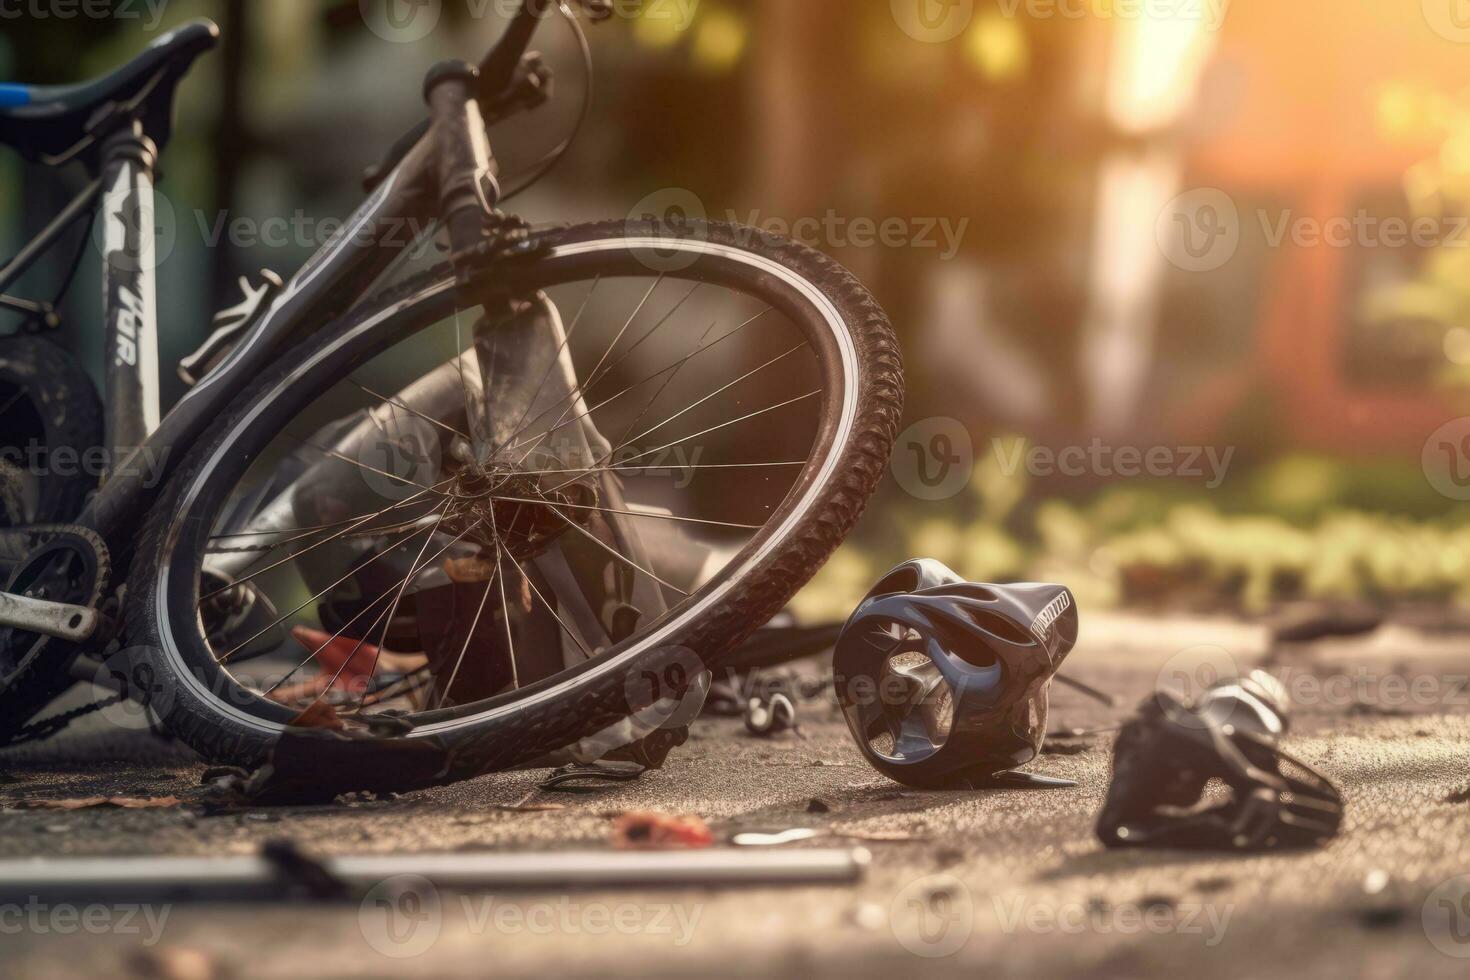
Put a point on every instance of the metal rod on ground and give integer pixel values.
(237, 878)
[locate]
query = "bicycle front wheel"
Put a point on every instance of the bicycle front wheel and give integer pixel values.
(488, 515)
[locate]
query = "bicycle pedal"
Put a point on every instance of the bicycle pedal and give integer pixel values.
(231, 325)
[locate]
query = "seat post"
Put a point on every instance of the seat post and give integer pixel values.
(130, 257)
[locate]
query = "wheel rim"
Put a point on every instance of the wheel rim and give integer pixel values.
(802, 302)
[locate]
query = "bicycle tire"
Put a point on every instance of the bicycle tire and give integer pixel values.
(595, 697)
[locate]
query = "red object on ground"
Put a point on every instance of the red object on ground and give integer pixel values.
(650, 831)
(337, 657)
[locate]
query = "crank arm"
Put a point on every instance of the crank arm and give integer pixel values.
(55, 619)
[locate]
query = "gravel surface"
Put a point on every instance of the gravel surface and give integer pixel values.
(992, 884)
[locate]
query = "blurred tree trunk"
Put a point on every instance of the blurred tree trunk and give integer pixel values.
(230, 144)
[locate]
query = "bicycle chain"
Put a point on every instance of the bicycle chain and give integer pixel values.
(16, 546)
(51, 727)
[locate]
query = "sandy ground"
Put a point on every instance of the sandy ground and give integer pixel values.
(992, 884)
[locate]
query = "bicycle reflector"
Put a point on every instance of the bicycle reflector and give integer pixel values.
(944, 683)
(1169, 754)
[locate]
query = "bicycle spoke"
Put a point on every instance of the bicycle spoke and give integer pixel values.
(459, 662)
(414, 569)
(306, 532)
(387, 618)
(515, 676)
(551, 367)
(310, 548)
(371, 469)
(387, 551)
(578, 388)
(411, 410)
(714, 394)
(680, 467)
(572, 421)
(723, 425)
(648, 406)
(336, 636)
(614, 552)
(472, 416)
(550, 608)
(672, 367)
(632, 513)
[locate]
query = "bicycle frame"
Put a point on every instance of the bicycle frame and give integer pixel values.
(322, 290)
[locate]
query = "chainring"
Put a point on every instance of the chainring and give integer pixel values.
(62, 563)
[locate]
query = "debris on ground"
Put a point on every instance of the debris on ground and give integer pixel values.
(584, 777)
(1308, 622)
(315, 766)
(759, 839)
(765, 717)
(651, 831)
(798, 835)
(1169, 753)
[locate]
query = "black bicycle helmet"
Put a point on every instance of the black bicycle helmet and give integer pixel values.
(944, 682)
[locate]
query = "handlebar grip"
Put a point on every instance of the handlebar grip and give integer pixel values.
(464, 168)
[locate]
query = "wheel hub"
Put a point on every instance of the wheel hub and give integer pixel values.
(518, 511)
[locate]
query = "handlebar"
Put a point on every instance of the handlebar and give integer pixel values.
(509, 80)
(498, 70)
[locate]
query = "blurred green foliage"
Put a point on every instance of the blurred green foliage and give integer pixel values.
(1296, 528)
